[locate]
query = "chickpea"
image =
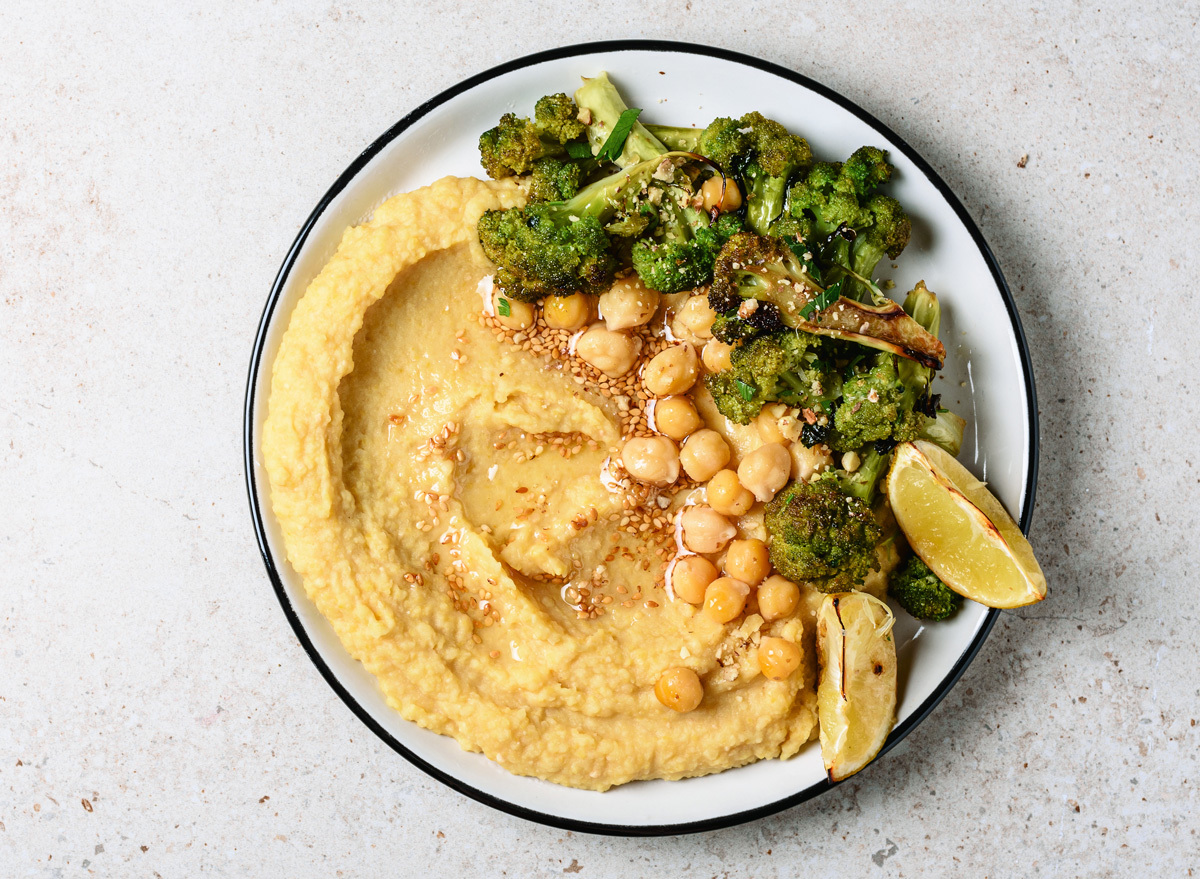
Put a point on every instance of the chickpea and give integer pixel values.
(767, 422)
(765, 470)
(710, 191)
(628, 304)
(725, 599)
(778, 597)
(706, 530)
(567, 312)
(716, 355)
(748, 561)
(778, 658)
(727, 496)
(690, 576)
(520, 314)
(672, 371)
(694, 320)
(612, 353)
(676, 417)
(679, 689)
(704, 454)
(651, 459)
(806, 461)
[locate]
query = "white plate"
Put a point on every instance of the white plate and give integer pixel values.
(987, 379)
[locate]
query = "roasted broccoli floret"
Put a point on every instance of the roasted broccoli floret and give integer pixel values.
(559, 248)
(863, 481)
(751, 266)
(554, 180)
(886, 398)
(847, 224)
(681, 253)
(878, 405)
(919, 591)
(557, 117)
(817, 533)
(733, 329)
(516, 143)
(776, 156)
(724, 142)
(757, 149)
(768, 269)
(789, 367)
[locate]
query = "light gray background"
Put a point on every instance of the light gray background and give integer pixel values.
(156, 160)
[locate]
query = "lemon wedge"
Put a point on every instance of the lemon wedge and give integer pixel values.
(960, 530)
(856, 693)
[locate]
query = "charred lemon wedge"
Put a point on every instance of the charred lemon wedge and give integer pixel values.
(856, 692)
(960, 530)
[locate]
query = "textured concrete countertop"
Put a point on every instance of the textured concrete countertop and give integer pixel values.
(158, 717)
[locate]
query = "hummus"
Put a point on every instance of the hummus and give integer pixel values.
(446, 494)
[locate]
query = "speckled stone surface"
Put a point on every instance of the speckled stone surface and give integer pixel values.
(158, 717)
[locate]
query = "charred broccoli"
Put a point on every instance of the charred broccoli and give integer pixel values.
(775, 156)
(919, 591)
(554, 180)
(847, 224)
(755, 148)
(817, 533)
(766, 269)
(558, 248)
(557, 117)
(516, 143)
(790, 367)
(681, 253)
(877, 404)
(758, 150)
(733, 329)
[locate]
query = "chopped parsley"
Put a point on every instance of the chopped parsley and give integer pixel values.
(824, 299)
(616, 140)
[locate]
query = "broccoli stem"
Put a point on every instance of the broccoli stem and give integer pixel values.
(923, 306)
(599, 99)
(604, 198)
(678, 137)
(764, 199)
(864, 481)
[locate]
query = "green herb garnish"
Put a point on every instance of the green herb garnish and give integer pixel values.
(746, 391)
(800, 249)
(824, 299)
(503, 307)
(616, 140)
